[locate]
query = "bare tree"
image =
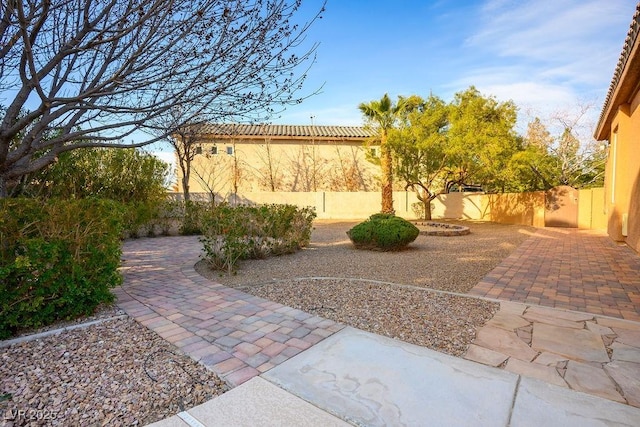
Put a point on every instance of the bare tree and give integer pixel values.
(212, 173)
(268, 173)
(349, 174)
(187, 143)
(82, 73)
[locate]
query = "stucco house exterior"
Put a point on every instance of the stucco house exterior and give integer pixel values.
(239, 158)
(619, 125)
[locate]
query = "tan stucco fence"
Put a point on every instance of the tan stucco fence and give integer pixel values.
(508, 208)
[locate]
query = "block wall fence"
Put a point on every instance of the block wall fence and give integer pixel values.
(507, 208)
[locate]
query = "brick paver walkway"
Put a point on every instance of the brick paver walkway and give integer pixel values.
(570, 269)
(235, 334)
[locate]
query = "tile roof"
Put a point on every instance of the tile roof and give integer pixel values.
(629, 43)
(291, 131)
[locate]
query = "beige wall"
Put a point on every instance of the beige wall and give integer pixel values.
(622, 179)
(516, 208)
(591, 210)
(289, 166)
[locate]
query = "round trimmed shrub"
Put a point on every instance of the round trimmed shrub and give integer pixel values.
(383, 232)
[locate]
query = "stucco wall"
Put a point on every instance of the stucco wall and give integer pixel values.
(287, 166)
(622, 176)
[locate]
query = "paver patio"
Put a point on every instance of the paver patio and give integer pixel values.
(235, 334)
(571, 269)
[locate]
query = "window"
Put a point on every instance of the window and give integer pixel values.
(230, 150)
(214, 150)
(373, 152)
(198, 150)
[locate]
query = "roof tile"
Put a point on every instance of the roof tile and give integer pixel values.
(287, 130)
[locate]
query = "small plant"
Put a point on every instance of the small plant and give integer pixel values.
(383, 232)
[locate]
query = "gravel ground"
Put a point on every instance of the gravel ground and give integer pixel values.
(115, 373)
(332, 279)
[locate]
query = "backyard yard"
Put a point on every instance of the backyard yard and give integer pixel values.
(110, 372)
(386, 292)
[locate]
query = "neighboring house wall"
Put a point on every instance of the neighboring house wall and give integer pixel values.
(272, 160)
(620, 125)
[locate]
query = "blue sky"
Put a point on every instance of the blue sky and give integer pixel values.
(545, 55)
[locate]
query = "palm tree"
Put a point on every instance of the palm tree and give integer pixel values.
(383, 115)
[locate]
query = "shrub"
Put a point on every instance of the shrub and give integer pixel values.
(383, 232)
(58, 259)
(250, 232)
(193, 215)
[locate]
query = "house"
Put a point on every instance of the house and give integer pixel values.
(619, 125)
(239, 158)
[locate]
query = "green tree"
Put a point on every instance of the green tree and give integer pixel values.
(420, 150)
(482, 141)
(565, 159)
(126, 175)
(382, 115)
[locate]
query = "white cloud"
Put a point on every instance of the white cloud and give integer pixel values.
(548, 54)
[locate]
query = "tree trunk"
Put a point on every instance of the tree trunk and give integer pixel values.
(427, 209)
(186, 175)
(3, 188)
(387, 177)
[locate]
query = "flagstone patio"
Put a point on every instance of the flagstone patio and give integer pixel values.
(592, 354)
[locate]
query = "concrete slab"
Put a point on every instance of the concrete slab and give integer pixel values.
(373, 380)
(174, 421)
(540, 404)
(581, 345)
(259, 403)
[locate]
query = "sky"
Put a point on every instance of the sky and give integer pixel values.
(545, 55)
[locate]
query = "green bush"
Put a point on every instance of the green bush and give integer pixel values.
(193, 215)
(58, 259)
(383, 232)
(251, 232)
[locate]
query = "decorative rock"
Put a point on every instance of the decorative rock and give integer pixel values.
(441, 229)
